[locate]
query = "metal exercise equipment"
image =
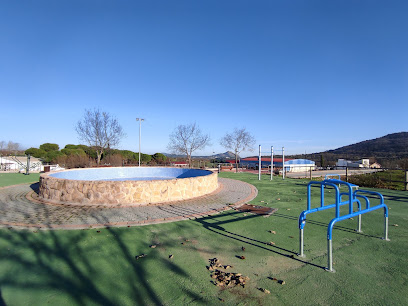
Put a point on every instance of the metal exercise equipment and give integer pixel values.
(352, 195)
(260, 163)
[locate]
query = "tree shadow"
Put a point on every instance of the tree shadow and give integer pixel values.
(45, 259)
(2, 302)
(210, 223)
(64, 262)
(45, 249)
(214, 225)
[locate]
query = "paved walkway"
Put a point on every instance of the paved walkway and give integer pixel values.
(20, 208)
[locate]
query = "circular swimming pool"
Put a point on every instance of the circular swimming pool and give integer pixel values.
(126, 185)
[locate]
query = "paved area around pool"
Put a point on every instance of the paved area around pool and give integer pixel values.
(20, 208)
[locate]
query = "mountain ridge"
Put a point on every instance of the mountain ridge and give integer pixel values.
(395, 144)
(389, 147)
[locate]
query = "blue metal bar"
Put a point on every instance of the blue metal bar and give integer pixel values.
(338, 203)
(333, 221)
(353, 197)
(371, 193)
(303, 214)
(321, 195)
(365, 198)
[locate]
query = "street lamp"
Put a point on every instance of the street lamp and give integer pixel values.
(140, 133)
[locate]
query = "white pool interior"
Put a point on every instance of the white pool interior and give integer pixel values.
(129, 174)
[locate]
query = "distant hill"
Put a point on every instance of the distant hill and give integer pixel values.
(389, 146)
(385, 150)
(226, 155)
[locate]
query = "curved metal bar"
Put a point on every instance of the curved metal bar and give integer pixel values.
(371, 193)
(365, 198)
(333, 221)
(302, 216)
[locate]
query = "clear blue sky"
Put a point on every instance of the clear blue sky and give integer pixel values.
(307, 75)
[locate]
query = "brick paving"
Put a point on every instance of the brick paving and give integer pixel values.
(20, 208)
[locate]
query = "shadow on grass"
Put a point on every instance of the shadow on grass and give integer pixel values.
(210, 223)
(2, 303)
(71, 265)
(37, 262)
(213, 224)
(42, 255)
(325, 225)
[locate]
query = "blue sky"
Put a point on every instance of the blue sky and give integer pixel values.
(307, 75)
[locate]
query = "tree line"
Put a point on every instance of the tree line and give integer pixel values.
(80, 156)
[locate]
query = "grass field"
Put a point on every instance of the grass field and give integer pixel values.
(98, 267)
(7, 179)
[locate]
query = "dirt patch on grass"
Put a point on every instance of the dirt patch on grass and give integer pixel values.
(258, 210)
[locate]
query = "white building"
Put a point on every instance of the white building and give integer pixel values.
(19, 163)
(299, 165)
(363, 163)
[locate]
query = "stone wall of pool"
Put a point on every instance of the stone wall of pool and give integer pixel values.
(126, 185)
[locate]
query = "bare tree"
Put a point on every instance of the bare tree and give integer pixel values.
(13, 147)
(239, 140)
(99, 130)
(186, 139)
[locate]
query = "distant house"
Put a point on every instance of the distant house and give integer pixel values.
(375, 165)
(181, 164)
(342, 164)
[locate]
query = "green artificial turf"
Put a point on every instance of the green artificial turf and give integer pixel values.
(98, 266)
(7, 179)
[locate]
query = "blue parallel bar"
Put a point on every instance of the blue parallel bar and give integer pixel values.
(303, 214)
(321, 195)
(366, 199)
(352, 197)
(371, 193)
(333, 221)
(321, 184)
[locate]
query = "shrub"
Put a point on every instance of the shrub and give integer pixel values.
(51, 156)
(38, 153)
(367, 180)
(70, 152)
(159, 158)
(145, 158)
(48, 147)
(73, 161)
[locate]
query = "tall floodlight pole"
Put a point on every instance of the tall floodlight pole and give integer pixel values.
(140, 134)
(283, 163)
(259, 163)
(271, 163)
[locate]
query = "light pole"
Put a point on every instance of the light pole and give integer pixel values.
(140, 133)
